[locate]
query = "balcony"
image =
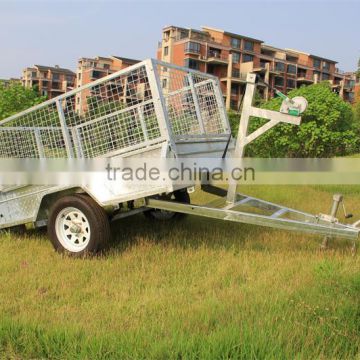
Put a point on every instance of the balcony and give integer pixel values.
(305, 78)
(261, 68)
(187, 34)
(99, 73)
(216, 57)
(192, 49)
(236, 77)
(335, 83)
(348, 87)
(57, 86)
(274, 70)
(339, 72)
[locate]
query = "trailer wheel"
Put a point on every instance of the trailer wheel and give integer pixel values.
(78, 225)
(181, 196)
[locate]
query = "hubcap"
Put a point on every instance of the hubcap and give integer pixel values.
(72, 229)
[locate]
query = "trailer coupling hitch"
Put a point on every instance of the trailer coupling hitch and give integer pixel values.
(338, 200)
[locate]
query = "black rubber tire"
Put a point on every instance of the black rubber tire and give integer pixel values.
(180, 196)
(96, 216)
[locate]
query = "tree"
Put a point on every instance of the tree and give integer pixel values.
(328, 128)
(16, 98)
(357, 112)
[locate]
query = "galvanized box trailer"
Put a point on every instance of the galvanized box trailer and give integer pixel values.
(154, 109)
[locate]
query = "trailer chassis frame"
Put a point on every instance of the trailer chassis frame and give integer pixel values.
(281, 217)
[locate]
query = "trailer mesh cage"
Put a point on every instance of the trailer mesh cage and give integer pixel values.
(130, 110)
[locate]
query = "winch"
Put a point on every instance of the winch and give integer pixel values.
(295, 106)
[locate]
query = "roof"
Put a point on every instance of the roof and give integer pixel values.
(322, 58)
(167, 27)
(126, 60)
(231, 34)
(273, 48)
(54, 69)
(312, 55)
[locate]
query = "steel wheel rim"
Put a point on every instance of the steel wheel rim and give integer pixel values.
(72, 229)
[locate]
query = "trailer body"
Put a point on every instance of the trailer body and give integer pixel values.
(151, 109)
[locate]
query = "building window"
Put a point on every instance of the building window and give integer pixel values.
(326, 66)
(33, 74)
(235, 57)
(280, 66)
(56, 77)
(79, 76)
(235, 73)
(106, 66)
(69, 78)
(97, 74)
(166, 35)
(235, 43)
(247, 58)
(184, 34)
(248, 45)
(279, 81)
(164, 83)
(166, 51)
(192, 64)
(291, 69)
(191, 47)
(291, 83)
(234, 89)
(325, 77)
(317, 63)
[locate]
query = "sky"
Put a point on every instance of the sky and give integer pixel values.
(58, 32)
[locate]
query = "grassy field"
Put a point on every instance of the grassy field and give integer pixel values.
(200, 289)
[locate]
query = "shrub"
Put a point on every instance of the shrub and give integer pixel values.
(328, 128)
(16, 98)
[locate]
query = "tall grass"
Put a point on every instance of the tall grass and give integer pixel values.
(199, 289)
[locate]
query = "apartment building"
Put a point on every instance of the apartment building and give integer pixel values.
(348, 90)
(50, 81)
(231, 56)
(213, 51)
(90, 69)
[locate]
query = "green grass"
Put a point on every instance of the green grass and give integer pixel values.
(200, 289)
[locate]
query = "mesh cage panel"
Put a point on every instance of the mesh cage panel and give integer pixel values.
(118, 114)
(194, 107)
